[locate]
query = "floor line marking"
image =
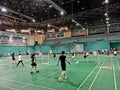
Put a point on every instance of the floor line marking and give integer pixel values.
(86, 78)
(95, 77)
(114, 76)
(118, 65)
(8, 87)
(23, 83)
(27, 83)
(39, 80)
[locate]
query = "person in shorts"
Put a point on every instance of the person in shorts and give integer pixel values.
(33, 64)
(63, 59)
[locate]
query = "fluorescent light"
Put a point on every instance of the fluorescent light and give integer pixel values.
(106, 1)
(107, 22)
(11, 30)
(33, 20)
(107, 19)
(78, 1)
(50, 6)
(62, 13)
(3, 9)
(48, 25)
(106, 14)
(77, 24)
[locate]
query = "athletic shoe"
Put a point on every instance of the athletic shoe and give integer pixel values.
(31, 72)
(37, 71)
(65, 77)
(60, 79)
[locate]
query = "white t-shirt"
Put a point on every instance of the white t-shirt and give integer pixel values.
(115, 52)
(40, 54)
(20, 58)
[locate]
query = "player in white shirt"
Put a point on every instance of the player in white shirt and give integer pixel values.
(20, 60)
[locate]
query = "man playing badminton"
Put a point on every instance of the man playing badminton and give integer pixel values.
(63, 61)
(34, 65)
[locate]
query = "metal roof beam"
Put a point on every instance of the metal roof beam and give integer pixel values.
(12, 17)
(17, 13)
(55, 6)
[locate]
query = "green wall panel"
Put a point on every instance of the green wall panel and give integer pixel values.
(97, 45)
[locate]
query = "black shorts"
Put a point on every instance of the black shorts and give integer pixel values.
(13, 58)
(63, 67)
(85, 56)
(115, 54)
(33, 64)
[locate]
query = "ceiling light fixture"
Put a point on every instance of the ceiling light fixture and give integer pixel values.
(50, 6)
(61, 13)
(3, 9)
(48, 25)
(106, 1)
(33, 20)
(55, 6)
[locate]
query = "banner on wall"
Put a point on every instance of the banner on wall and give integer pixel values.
(12, 40)
(96, 30)
(115, 28)
(51, 35)
(60, 34)
(77, 47)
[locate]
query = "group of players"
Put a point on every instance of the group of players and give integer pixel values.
(62, 58)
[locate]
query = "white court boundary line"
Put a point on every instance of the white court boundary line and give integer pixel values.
(86, 78)
(25, 83)
(8, 87)
(118, 65)
(79, 70)
(115, 85)
(29, 83)
(39, 80)
(95, 77)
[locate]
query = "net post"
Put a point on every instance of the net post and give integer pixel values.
(48, 57)
(98, 59)
(111, 58)
(46, 60)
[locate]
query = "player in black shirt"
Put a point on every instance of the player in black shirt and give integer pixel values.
(13, 58)
(34, 65)
(54, 55)
(63, 60)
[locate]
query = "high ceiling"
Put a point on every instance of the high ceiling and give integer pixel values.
(84, 11)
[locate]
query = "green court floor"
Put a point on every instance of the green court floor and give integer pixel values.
(82, 75)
